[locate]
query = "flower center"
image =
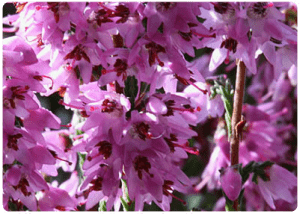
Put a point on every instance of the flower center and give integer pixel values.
(77, 53)
(164, 6)
(142, 130)
(13, 141)
(104, 15)
(18, 92)
(225, 9)
(97, 184)
(230, 44)
(120, 67)
(141, 163)
(221, 7)
(105, 148)
(118, 41)
(22, 185)
(108, 106)
(258, 10)
(58, 8)
(153, 50)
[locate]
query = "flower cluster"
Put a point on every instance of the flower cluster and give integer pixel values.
(139, 91)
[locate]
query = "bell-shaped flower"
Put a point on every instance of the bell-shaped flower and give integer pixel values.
(231, 182)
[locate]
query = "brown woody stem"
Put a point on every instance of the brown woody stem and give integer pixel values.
(236, 119)
(237, 112)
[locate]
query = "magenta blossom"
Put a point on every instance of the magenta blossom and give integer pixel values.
(231, 182)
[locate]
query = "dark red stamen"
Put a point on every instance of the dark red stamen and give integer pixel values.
(227, 59)
(13, 141)
(53, 153)
(189, 82)
(203, 35)
(96, 184)
(141, 163)
(104, 15)
(188, 149)
(18, 91)
(165, 6)
(170, 141)
(84, 114)
(230, 44)
(60, 208)
(77, 53)
(192, 110)
(167, 188)
(120, 67)
(67, 126)
(58, 8)
(118, 41)
(142, 130)
(185, 36)
(153, 50)
(40, 78)
(22, 185)
(105, 148)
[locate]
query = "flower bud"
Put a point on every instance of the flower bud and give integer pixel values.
(231, 182)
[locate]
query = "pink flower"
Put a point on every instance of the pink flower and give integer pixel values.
(56, 199)
(231, 182)
(280, 184)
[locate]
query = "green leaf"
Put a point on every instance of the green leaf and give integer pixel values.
(258, 170)
(265, 164)
(102, 206)
(201, 20)
(161, 28)
(79, 132)
(240, 198)
(254, 179)
(228, 204)
(224, 88)
(81, 159)
(144, 23)
(124, 203)
(125, 200)
(131, 89)
(229, 207)
(245, 171)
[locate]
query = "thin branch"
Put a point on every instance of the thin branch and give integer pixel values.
(237, 121)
